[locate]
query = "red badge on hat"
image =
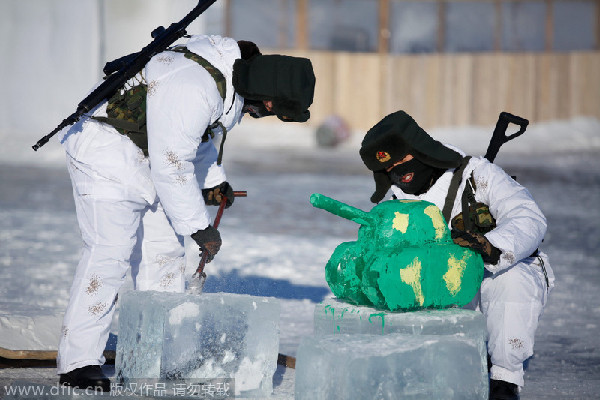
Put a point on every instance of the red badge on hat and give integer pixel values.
(382, 156)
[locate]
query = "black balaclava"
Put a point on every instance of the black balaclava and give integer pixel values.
(390, 140)
(289, 82)
(413, 177)
(256, 108)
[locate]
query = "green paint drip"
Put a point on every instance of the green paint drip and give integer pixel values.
(404, 258)
(382, 316)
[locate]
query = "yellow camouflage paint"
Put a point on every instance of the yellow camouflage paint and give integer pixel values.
(453, 277)
(400, 222)
(437, 220)
(411, 275)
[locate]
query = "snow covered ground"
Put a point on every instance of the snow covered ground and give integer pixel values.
(277, 244)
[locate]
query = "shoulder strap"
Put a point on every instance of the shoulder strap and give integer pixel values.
(453, 190)
(211, 69)
(468, 198)
(221, 87)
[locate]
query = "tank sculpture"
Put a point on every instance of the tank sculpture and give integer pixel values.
(404, 258)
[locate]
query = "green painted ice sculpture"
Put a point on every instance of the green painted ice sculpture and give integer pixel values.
(404, 258)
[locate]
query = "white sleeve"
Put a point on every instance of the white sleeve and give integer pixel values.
(207, 171)
(520, 224)
(178, 111)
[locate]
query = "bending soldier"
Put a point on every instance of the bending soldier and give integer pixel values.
(144, 167)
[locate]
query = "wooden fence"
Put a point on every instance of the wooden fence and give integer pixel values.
(454, 89)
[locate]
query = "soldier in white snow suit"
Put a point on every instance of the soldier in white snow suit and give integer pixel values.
(488, 212)
(143, 167)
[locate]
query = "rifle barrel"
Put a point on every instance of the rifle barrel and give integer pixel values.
(71, 119)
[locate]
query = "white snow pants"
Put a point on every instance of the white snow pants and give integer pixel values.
(120, 229)
(512, 302)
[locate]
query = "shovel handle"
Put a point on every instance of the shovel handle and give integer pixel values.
(224, 203)
(217, 221)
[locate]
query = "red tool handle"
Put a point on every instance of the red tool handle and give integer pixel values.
(200, 270)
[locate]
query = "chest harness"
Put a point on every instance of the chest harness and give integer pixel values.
(475, 216)
(126, 110)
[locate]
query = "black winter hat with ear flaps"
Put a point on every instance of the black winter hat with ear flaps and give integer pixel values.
(289, 82)
(391, 139)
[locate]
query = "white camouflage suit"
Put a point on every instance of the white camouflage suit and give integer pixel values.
(117, 190)
(514, 291)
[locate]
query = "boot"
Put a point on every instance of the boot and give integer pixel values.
(501, 390)
(90, 376)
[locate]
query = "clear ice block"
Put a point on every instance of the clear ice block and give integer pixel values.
(213, 335)
(393, 366)
(361, 352)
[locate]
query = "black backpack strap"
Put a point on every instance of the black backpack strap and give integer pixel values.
(453, 190)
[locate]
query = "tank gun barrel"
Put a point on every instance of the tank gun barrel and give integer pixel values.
(341, 209)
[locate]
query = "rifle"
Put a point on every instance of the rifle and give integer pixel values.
(128, 66)
(499, 136)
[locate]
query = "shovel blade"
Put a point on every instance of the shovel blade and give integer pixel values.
(196, 284)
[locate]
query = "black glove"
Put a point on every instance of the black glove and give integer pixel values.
(209, 240)
(213, 196)
(478, 243)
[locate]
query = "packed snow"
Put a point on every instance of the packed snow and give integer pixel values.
(276, 244)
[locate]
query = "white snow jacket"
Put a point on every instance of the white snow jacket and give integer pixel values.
(183, 100)
(521, 226)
